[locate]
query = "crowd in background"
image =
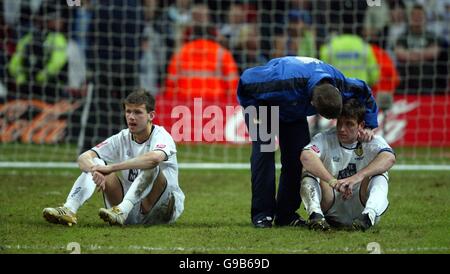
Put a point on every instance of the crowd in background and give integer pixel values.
(49, 50)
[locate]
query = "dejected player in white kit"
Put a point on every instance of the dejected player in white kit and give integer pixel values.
(345, 182)
(136, 169)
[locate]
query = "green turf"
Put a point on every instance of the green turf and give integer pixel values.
(216, 219)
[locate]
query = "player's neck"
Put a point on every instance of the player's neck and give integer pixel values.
(349, 145)
(143, 136)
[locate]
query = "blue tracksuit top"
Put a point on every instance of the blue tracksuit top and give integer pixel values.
(288, 82)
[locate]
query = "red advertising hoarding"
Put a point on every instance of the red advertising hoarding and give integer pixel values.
(412, 121)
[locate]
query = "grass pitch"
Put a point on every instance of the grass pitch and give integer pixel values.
(217, 219)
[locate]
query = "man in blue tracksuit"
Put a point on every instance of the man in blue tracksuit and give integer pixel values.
(298, 87)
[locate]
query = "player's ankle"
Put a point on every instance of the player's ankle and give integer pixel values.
(125, 206)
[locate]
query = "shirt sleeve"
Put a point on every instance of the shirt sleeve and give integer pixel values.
(165, 143)
(380, 145)
(317, 145)
(108, 150)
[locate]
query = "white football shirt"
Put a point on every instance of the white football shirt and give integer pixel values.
(343, 161)
(121, 147)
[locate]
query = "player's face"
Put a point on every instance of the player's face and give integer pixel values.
(347, 130)
(137, 117)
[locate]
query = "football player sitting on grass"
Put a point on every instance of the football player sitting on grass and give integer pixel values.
(140, 178)
(345, 182)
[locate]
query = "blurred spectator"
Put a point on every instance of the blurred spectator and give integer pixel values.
(332, 16)
(7, 48)
(438, 16)
(298, 38)
(422, 57)
(352, 56)
(397, 23)
(384, 90)
(376, 18)
(200, 25)
(231, 31)
(247, 52)
(389, 79)
(10, 10)
(82, 17)
(321, 20)
(153, 60)
(347, 16)
(171, 24)
(202, 67)
(113, 56)
(20, 13)
(272, 18)
(39, 64)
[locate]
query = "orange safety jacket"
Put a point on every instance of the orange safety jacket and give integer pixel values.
(389, 78)
(202, 68)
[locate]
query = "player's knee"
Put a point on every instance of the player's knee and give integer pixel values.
(307, 186)
(151, 174)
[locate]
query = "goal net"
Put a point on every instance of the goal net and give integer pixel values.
(65, 66)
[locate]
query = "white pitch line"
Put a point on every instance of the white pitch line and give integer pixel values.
(224, 166)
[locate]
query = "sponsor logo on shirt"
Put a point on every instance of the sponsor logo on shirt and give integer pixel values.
(315, 149)
(160, 146)
(101, 144)
(336, 159)
(350, 170)
(132, 174)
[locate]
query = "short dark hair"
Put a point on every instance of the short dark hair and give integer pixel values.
(139, 97)
(327, 100)
(353, 109)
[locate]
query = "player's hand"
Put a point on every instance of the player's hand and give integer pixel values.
(345, 186)
(365, 135)
(99, 180)
(105, 170)
(342, 185)
(347, 193)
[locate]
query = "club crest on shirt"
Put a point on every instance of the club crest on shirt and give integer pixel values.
(359, 152)
(160, 146)
(336, 159)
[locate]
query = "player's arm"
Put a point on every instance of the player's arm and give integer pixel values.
(87, 164)
(145, 161)
(85, 160)
(380, 164)
(413, 55)
(312, 163)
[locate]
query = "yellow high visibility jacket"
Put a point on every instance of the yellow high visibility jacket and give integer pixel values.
(53, 55)
(353, 57)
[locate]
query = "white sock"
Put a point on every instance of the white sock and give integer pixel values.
(82, 190)
(139, 189)
(311, 195)
(377, 201)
